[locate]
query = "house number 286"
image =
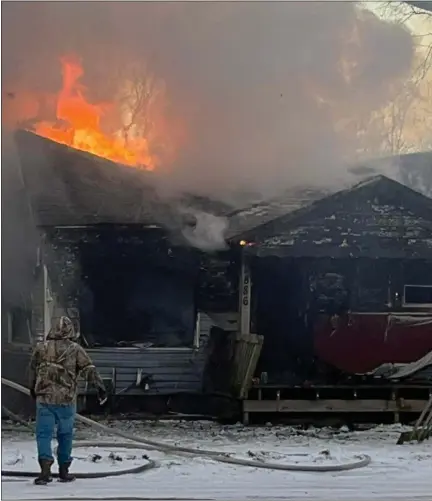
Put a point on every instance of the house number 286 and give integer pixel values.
(246, 285)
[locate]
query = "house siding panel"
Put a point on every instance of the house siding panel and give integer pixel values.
(172, 370)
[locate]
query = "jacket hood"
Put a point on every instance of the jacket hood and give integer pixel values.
(62, 329)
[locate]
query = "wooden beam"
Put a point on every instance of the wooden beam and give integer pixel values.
(48, 302)
(333, 405)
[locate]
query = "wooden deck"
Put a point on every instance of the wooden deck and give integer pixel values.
(344, 400)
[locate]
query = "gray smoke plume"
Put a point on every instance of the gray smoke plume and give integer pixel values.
(256, 89)
(208, 231)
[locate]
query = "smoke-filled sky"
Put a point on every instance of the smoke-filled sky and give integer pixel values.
(256, 88)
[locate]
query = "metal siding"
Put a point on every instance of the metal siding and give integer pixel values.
(172, 370)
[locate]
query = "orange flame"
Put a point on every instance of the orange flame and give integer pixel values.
(78, 124)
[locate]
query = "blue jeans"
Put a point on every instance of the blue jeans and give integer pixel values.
(47, 418)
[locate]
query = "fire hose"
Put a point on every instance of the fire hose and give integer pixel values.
(135, 442)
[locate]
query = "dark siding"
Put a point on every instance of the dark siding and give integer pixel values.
(15, 361)
(172, 370)
(379, 218)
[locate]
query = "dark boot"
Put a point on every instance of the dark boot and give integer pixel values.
(64, 475)
(44, 477)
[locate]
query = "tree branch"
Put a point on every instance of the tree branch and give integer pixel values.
(423, 6)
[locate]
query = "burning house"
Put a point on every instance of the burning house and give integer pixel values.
(118, 260)
(335, 284)
(342, 284)
(143, 276)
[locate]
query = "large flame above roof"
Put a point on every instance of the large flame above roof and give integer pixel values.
(78, 124)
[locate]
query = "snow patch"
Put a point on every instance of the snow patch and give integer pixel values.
(396, 473)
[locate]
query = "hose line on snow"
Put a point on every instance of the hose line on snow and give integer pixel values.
(221, 457)
(14, 417)
(97, 474)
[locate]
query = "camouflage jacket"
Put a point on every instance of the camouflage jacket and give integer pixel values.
(56, 365)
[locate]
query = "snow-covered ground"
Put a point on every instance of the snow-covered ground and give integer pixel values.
(396, 472)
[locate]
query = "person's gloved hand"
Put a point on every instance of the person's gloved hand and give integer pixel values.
(102, 396)
(32, 393)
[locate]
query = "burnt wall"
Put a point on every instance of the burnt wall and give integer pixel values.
(363, 285)
(289, 295)
(128, 284)
(379, 218)
(218, 282)
(155, 287)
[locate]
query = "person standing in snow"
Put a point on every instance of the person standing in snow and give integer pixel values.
(54, 369)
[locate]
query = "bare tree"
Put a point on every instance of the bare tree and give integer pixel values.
(403, 126)
(423, 5)
(405, 123)
(140, 99)
(136, 110)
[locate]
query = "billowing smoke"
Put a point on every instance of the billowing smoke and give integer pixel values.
(208, 231)
(258, 90)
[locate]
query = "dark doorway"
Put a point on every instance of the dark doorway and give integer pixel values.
(281, 316)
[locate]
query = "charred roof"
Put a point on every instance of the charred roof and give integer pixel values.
(260, 213)
(68, 187)
(377, 217)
